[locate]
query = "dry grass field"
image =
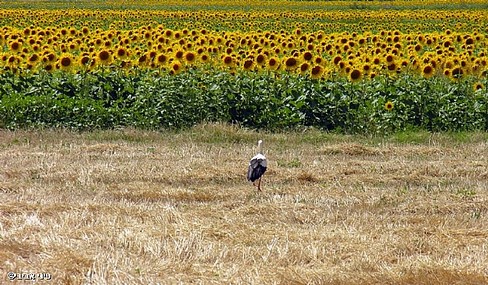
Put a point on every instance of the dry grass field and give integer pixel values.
(138, 207)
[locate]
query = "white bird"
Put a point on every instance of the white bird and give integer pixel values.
(257, 166)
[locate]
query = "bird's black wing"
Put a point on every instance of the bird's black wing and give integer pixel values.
(256, 170)
(252, 165)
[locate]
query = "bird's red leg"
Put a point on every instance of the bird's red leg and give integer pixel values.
(259, 184)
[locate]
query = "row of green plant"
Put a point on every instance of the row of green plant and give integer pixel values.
(150, 100)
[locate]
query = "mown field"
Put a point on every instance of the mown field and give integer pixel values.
(346, 66)
(139, 207)
(126, 129)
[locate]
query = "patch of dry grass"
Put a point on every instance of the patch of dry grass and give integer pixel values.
(133, 207)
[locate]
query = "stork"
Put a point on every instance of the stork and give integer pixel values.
(257, 166)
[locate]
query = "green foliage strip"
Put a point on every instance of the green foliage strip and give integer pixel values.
(151, 100)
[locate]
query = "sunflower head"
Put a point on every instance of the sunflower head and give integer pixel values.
(65, 62)
(104, 56)
(290, 63)
(176, 68)
(84, 60)
(457, 72)
(273, 63)
(34, 58)
(355, 75)
(261, 59)
(48, 66)
(228, 60)
(428, 71)
(179, 54)
(122, 53)
(478, 86)
(316, 72)
(304, 68)
(189, 57)
(248, 64)
(161, 59)
(15, 46)
(204, 58)
(389, 106)
(308, 56)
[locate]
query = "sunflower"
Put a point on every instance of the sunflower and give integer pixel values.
(125, 64)
(248, 64)
(273, 63)
(307, 56)
(337, 59)
(478, 86)
(189, 57)
(204, 57)
(104, 57)
(457, 72)
(122, 53)
(290, 63)
(449, 64)
(390, 58)
(49, 57)
(33, 58)
(98, 42)
(48, 67)
(261, 59)
(107, 44)
(304, 68)
(428, 71)
(316, 72)
(366, 67)
(143, 59)
(179, 54)
(147, 35)
(3, 58)
(355, 75)
(417, 47)
(176, 67)
(65, 62)
(228, 61)
(392, 66)
(389, 106)
(84, 60)
(13, 60)
(73, 46)
(318, 60)
(15, 46)
(161, 59)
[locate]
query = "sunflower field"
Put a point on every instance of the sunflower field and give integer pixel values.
(347, 66)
